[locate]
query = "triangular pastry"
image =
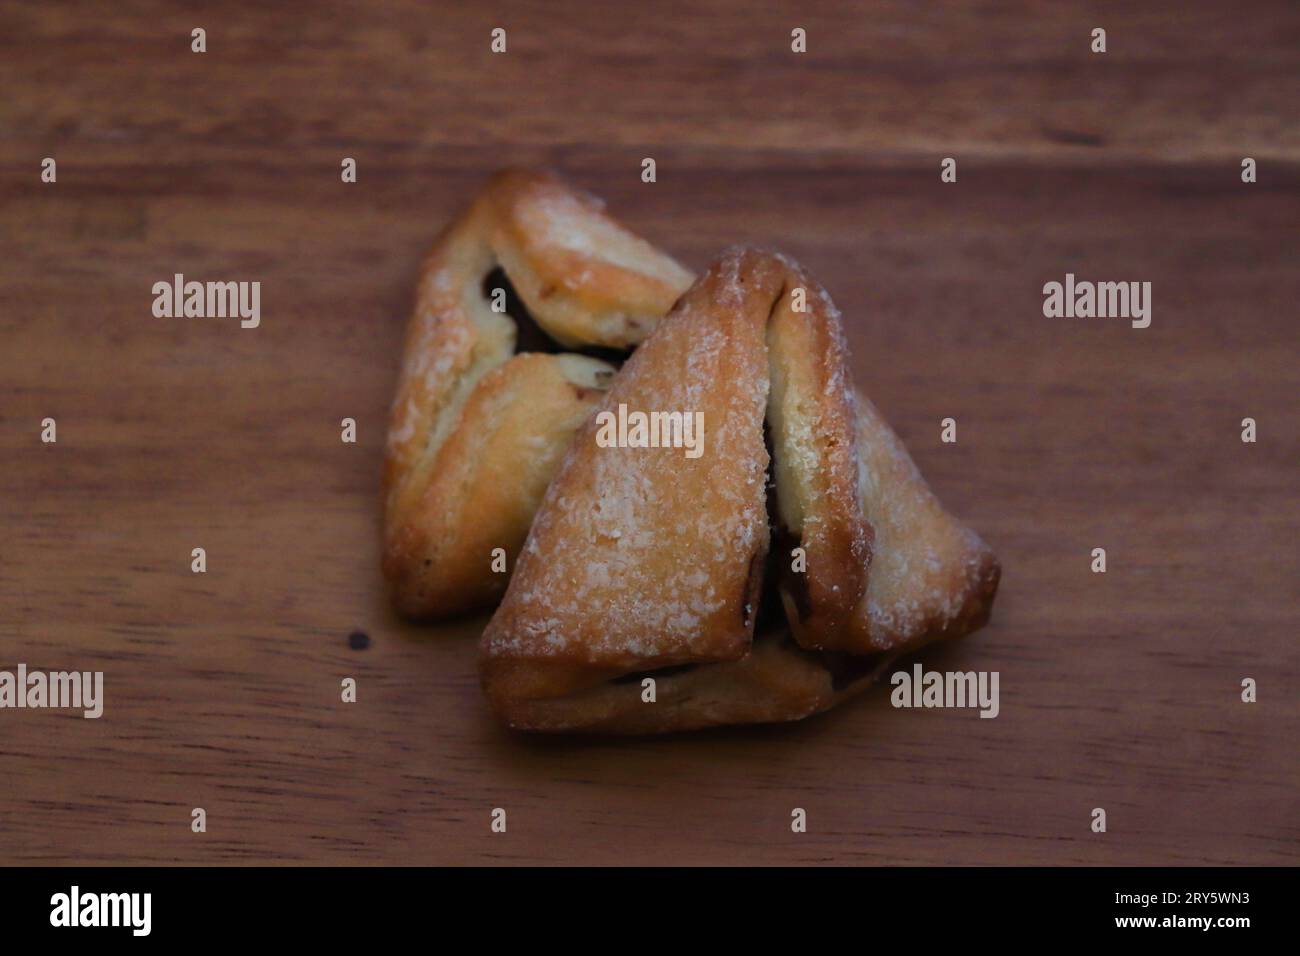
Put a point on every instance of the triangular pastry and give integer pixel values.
(644, 564)
(476, 430)
(642, 557)
(643, 561)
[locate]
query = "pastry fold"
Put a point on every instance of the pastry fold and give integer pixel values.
(821, 535)
(476, 430)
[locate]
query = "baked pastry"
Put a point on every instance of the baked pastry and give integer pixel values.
(645, 563)
(769, 578)
(476, 430)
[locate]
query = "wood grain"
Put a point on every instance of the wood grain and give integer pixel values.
(1118, 690)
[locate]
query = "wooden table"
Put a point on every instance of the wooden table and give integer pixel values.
(1118, 690)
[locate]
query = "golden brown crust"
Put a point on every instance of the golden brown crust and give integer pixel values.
(466, 414)
(641, 557)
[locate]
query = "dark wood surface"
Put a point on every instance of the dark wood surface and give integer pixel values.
(1118, 691)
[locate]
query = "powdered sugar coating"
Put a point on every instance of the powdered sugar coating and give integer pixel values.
(642, 554)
